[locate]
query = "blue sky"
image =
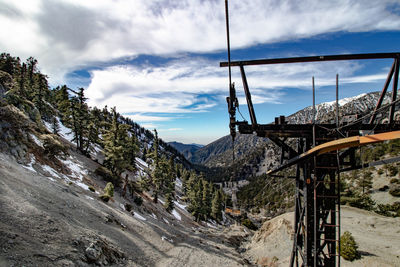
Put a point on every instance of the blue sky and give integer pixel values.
(158, 61)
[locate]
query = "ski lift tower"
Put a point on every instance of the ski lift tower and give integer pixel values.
(322, 152)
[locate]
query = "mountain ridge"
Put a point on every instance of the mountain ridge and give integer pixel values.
(187, 150)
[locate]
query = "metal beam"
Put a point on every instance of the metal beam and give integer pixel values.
(383, 93)
(394, 90)
(248, 98)
(311, 59)
(371, 164)
(353, 141)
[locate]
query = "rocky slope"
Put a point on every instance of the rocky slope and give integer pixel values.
(51, 213)
(47, 221)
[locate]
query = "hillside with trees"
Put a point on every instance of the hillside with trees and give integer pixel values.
(122, 142)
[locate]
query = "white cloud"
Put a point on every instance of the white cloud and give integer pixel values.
(365, 78)
(66, 35)
(170, 129)
(146, 118)
(197, 85)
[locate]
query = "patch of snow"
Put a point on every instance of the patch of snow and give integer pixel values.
(30, 167)
(182, 206)
(50, 170)
(166, 221)
(138, 216)
(36, 140)
(122, 207)
(65, 131)
(164, 238)
(176, 215)
(97, 148)
(140, 161)
(50, 178)
(82, 185)
(161, 201)
(211, 226)
(76, 169)
(178, 182)
(89, 197)
(223, 217)
(48, 126)
(343, 101)
(212, 222)
(154, 216)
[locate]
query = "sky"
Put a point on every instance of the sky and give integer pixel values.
(157, 61)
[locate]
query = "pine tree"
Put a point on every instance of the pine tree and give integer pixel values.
(22, 81)
(196, 199)
(132, 148)
(93, 130)
(217, 206)
(55, 126)
(157, 174)
(62, 100)
(178, 171)
(171, 170)
(144, 154)
(32, 65)
(206, 199)
(185, 181)
(77, 117)
(114, 141)
(169, 197)
(365, 181)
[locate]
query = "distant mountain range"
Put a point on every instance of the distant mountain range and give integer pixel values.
(186, 149)
(219, 153)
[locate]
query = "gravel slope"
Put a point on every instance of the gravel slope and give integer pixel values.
(47, 222)
(378, 238)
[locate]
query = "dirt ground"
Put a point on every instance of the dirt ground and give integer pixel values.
(378, 238)
(48, 222)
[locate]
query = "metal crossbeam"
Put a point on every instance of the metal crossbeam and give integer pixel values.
(310, 59)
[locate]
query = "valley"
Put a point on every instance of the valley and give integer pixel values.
(83, 186)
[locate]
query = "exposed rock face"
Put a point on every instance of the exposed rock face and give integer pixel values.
(101, 252)
(273, 241)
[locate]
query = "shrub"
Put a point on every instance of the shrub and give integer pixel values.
(53, 146)
(108, 192)
(380, 171)
(109, 189)
(390, 210)
(348, 247)
(395, 191)
(346, 200)
(91, 188)
(392, 170)
(249, 224)
(384, 188)
(105, 198)
(394, 181)
(138, 201)
(107, 175)
(128, 207)
(362, 202)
